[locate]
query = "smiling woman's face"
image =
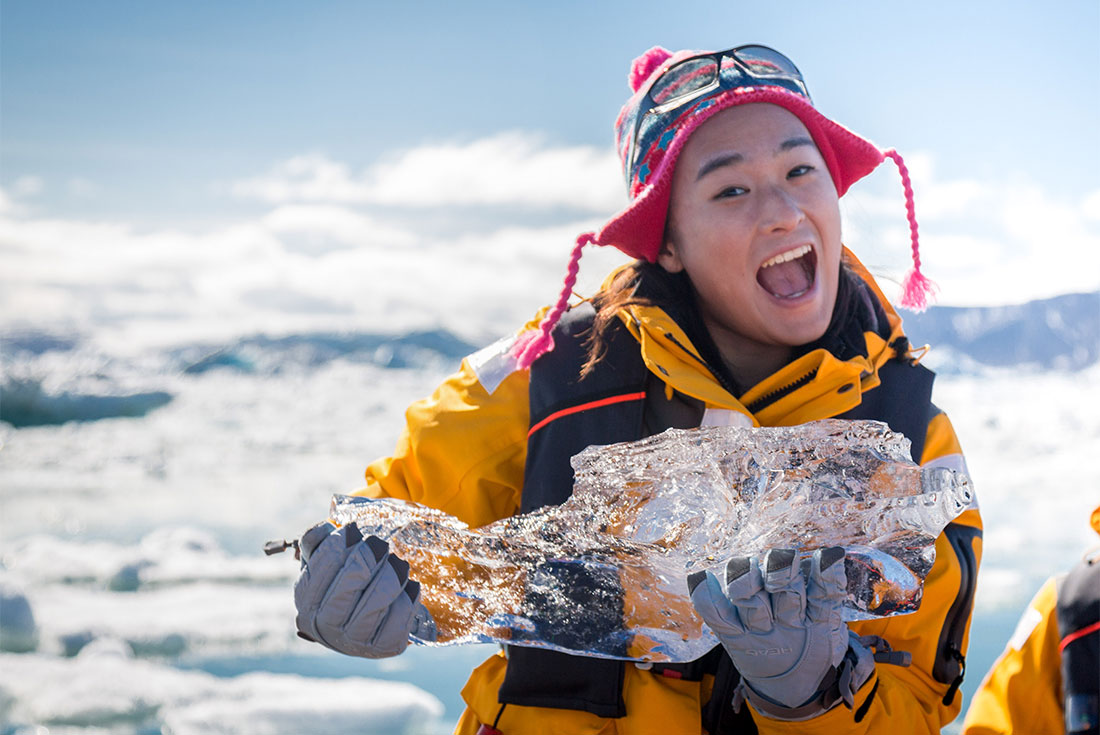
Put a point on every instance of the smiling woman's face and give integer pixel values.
(754, 219)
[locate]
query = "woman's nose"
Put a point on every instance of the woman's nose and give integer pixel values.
(780, 211)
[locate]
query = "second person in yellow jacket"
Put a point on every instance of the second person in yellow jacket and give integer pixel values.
(1047, 680)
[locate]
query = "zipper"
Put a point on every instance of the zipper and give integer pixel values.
(949, 653)
(714, 373)
(769, 398)
(760, 403)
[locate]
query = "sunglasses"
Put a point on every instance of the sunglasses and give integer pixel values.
(694, 77)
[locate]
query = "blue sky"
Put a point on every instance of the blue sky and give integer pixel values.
(151, 101)
(191, 117)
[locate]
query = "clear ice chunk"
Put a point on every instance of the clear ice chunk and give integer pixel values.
(604, 574)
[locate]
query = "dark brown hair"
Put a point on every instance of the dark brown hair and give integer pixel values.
(642, 283)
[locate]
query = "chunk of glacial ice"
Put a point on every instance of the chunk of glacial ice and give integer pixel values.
(604, 574)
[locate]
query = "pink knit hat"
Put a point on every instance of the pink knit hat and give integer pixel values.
(649, 153)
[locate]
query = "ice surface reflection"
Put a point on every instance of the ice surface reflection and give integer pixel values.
(604, 573)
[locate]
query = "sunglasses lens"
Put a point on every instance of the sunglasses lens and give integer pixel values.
(683, 79)
(763, 62)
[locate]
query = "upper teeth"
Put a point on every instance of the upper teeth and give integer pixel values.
(789, 255)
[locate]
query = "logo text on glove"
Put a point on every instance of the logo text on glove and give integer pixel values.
(769, 651)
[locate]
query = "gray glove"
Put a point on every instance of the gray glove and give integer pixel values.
(354, 597)
(781, 624)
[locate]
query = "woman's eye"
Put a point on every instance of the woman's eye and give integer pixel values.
(732, 191)
(799, 171)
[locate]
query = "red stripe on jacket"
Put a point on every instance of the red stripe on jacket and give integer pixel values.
(586, 406)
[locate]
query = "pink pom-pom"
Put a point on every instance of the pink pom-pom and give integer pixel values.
(645, 65)
(530, 346)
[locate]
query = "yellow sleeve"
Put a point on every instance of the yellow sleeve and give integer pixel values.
(905, 700)
(462, 450)
(1021, 693)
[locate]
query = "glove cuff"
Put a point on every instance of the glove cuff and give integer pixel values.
(840, 684)
(423, 626)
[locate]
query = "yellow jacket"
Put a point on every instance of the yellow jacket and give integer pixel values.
(1022, 693)
(463, 452)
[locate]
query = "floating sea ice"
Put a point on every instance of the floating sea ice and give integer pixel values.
(104, 690)
(18, 629)
(604, 573)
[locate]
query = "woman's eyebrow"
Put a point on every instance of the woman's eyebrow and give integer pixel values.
(728, 159)
(725, 159)
(794, 143)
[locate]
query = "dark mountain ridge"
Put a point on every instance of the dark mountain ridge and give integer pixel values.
(1060, 333)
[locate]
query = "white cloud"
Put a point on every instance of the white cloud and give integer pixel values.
(505, 169)
(83, 188)
(7, 204)
(311, 262)
(28, 186)
(296, 267)
(1091, 206)
(318, 228)
(511, 169)
(311, 178)
(21, 188)
(983, 242)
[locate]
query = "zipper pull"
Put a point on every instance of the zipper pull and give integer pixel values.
(278, 547)
(957, 682)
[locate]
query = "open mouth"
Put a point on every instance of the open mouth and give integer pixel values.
(789, 274)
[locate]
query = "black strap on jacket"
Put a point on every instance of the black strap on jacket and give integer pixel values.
(567, 415)
(1078, 613)
(898, 399)
(613, 404)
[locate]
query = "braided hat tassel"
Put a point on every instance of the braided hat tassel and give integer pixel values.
(535, 343)
(916, 289)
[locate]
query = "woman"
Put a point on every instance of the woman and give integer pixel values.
(742, 308)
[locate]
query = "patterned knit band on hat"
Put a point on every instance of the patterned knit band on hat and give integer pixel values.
(675, 93)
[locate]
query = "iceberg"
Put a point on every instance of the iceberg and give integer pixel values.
(604, 573)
